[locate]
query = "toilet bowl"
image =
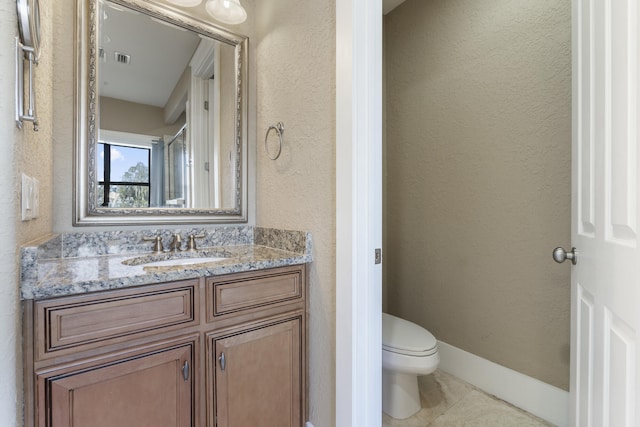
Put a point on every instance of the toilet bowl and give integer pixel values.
(408, 351)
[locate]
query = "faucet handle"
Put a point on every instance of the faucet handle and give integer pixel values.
(191, 244)
(157, 243)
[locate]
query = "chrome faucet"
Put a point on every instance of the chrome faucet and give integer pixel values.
(176, 244)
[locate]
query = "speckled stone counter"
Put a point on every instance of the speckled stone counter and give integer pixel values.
(75, 263)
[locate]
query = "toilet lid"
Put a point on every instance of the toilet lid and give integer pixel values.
(402, 336)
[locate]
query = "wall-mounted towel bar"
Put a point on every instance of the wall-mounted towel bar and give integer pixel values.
(27, 49)
(25, 53)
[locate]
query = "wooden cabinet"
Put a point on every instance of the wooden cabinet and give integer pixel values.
(153, 389)
(257, 364)
(260, 369)
(154, 355)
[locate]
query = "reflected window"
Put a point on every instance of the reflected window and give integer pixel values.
(123, 176)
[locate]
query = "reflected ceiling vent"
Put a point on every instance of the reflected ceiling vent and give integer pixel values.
(122, 58)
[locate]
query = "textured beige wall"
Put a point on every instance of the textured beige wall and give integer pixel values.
(478, 152)
(296, 85)
(63, 113)
(24, 151)
(33, 156)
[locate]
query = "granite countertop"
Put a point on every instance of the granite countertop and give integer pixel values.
(76, 263)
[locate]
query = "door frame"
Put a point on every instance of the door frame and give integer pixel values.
(358, 212)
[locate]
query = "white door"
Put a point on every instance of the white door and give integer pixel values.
(605, 317)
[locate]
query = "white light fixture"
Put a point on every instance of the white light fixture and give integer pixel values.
(227, 11)
(185, 3)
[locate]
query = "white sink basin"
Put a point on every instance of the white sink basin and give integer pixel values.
(183, 261)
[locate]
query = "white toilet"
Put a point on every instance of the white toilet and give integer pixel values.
(408, 350)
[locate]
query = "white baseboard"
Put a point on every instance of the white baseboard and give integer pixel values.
(534, 396)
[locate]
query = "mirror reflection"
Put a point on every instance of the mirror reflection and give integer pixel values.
(169, 134)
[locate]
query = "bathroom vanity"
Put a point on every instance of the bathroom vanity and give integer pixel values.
(141, 328)
(219, 343)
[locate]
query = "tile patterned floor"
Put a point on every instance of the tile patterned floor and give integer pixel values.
(450, 402)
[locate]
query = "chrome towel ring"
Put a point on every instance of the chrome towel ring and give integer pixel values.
(279, 128)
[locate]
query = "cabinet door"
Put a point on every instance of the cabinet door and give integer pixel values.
(149, 390)
(258, 377)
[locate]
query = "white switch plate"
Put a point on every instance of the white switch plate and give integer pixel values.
(35, 198)
(26, 199)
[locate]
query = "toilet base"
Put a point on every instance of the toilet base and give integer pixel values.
(400, 395)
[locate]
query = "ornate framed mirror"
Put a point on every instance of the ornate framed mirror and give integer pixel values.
(161, 117)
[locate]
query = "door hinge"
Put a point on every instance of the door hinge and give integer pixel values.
(378, 256)
(206, 166)
(206, 105)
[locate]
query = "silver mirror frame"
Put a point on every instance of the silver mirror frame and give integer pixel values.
(86, 211)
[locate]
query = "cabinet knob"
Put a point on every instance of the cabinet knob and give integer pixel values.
(185, 371)
(223, 362)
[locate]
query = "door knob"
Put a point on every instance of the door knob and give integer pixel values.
(560, 255)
